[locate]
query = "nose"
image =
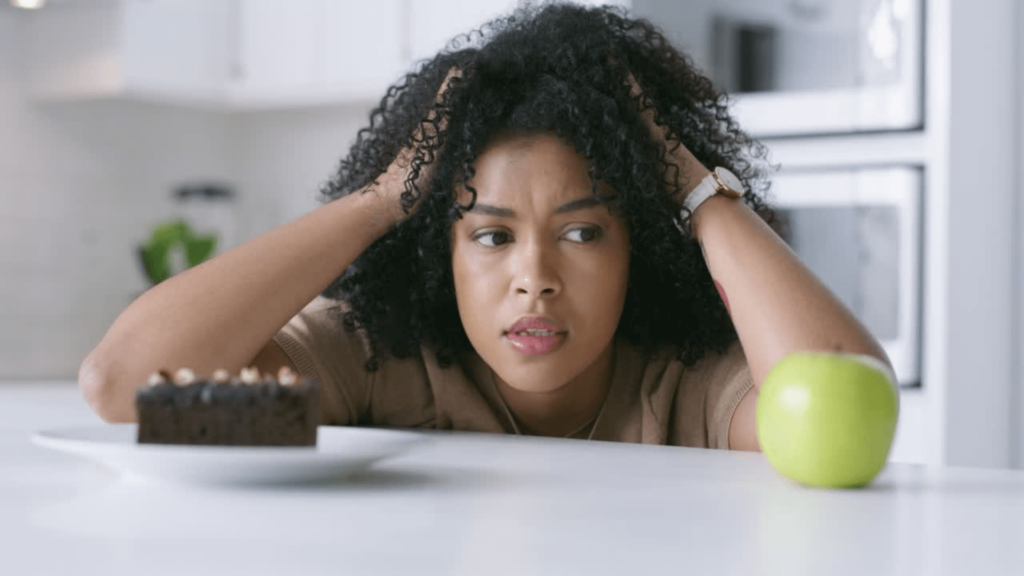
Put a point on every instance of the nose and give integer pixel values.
(535, 272)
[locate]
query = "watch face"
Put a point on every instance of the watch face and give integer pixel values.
(730, 180)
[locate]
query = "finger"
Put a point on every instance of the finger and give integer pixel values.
(645, 107)
(428, 129)
(453, 73)
(676, 150)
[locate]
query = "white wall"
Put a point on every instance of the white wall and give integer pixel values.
(280, 159)
(1017, 351)
(80, 184)
(973, 118)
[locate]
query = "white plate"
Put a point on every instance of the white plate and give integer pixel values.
(340, 451)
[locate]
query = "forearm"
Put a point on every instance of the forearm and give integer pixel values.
(222, 312)
(777, 305)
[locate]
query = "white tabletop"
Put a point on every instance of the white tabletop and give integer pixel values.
(479, 504)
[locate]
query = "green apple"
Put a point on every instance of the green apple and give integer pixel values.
(828, 419)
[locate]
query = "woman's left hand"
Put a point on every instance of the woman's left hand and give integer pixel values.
(776, 303)
(691, 170)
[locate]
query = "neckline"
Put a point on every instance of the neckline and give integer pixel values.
(588, 424)
(592, 423)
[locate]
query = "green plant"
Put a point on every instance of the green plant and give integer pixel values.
(165, 238)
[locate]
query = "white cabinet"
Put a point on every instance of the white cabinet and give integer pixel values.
(306, 52)
(173, 50)
(275, 44)
(231, 54)
(433, 23)
(315, 52)
(242, 54)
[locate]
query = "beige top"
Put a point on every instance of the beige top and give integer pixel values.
(653, 398)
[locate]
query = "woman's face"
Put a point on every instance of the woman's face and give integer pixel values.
(540, 269)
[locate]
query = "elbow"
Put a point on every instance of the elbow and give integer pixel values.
(102, 393)
(884, 362)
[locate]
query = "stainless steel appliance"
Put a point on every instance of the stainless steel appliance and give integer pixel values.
(805, 66)
(859, 231)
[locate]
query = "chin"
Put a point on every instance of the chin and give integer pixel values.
(532, 379)
(533, 387)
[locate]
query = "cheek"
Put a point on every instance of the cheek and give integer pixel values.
(474, 288)
(599, 289)
(461, 274)
(615, 279)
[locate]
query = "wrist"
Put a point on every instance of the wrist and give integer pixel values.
(694, 175)
(379, 203)
(691, 170)
(711, 212)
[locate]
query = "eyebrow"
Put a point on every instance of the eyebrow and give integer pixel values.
(503, 212)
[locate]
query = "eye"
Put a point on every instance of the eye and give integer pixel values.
(583, 235)
(493, 238)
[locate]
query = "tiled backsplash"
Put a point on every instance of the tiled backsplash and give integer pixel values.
(82, 182)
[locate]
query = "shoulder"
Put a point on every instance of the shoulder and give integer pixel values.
(318, 328)
(697, 401)
(663, 366)
(716, 367)
(319, 344)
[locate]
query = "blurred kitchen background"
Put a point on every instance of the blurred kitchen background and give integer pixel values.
(896, 123)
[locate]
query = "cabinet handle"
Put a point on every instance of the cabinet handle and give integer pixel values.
(236, 69)
(405, 29)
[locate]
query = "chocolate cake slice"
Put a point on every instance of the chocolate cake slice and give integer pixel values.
(246, 410)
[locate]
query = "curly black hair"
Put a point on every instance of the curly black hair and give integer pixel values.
(561, 69)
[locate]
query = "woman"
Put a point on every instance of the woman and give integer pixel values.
(527, 239)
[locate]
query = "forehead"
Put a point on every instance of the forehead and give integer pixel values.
(528, 169)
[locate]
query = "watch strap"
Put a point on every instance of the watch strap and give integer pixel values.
(707, 188)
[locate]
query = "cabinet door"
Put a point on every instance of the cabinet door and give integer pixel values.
(433, 23)
(163, 50)
(275, 44)
(176, 47)
(361, 44)
(315, 51)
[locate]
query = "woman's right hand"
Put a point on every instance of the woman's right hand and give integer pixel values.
(389, 186)
(224, 313)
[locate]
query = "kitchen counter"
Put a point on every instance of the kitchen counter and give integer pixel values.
(487, 504)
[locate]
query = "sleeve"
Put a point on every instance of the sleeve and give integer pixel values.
(707, 398)
(321, 348)
(727, 385)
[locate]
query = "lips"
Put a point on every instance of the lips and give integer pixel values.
(535, 323)
(535, 335)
